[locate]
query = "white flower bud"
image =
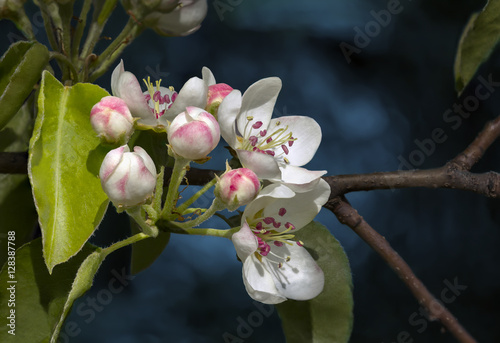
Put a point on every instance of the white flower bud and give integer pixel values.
(193, 134)
(112, 121)
(237, 187)
(216, 93)
(128, 178)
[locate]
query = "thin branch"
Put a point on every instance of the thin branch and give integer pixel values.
(476, 150)
(347, 215)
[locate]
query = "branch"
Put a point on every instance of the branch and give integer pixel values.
(347, 215)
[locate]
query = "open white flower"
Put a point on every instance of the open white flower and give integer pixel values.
(275, 267)
(275, 149)
(158, 104)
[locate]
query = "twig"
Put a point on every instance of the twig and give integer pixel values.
(347, 215)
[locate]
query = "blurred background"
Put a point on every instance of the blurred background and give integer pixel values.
(378, 99)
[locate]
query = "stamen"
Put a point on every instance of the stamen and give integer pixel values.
(250, 118)
(269, 140)
(174, 95)
(257, 125)
(290, 226)
(285, 149)
(253, 140)
(276, 224)
(282, 212)
(268, 220)
(278, 243)
(300, 243)
(270, 152)
(286, 160)
(263, 133)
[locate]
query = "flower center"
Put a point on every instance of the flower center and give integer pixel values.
(275, 141)
(159, 99)
(264, 229)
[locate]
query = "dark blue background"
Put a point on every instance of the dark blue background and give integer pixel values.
(372, 110)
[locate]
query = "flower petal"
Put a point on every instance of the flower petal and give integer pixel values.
(259, 283)
(308, 134)
(265, 166)
(244, 242)
(128, 88)
(208, 76)
(115, 76)
(258, 102)
(193, 93)
(300, 278)
(300, 209)
(226, 115)
(300, 179)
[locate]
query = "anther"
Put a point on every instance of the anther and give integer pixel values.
(257, 125)
(282, 211)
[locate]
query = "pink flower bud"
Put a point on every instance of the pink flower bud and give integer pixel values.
(193, 134)
(128, 178)
(237, 187)
(216, 93)
(112, 121)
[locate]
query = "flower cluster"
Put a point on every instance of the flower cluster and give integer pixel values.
(280, 195)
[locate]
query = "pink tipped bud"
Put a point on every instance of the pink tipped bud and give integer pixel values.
(193, 134)
(216, 93)
(237, 187)
(128, 178)
(112, 121)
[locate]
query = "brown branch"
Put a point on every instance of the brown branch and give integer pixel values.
(476, 150)
(347, 215)
(13, 162)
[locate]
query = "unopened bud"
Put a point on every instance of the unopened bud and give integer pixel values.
(128, 178)
(193, 134)
(112, 120)
(237, 187)
(216, 93)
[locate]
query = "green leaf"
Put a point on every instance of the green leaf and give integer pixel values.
(145, 252)
(39, 296)
(16, 200)
(328, 317)
(20, 69)
(83, 282)
(64, 160)
(479, 38)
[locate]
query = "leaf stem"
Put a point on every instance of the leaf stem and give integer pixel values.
(146, 227)
(178, 172)
(216, 206)
(80, 27)
(135, 238)
(195, 196)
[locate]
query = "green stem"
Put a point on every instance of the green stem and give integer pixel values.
(90, 42)
(159, 191)
(135, 238)
(136, 213)
(47, 22)
(114, 50)
(178, 173)
(216, 206)
(195, 196)
(80, 26)
(64, 59)
(202, 232)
